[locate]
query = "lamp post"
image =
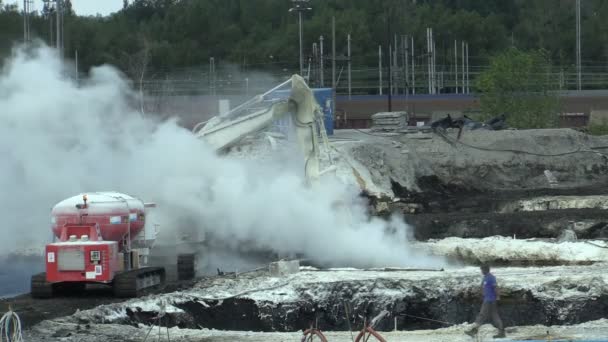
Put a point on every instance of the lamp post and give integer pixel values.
(300, 6)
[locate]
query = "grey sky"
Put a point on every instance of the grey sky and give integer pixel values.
(83, 7)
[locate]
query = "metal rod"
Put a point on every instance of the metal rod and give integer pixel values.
(578, 44)
(462, 48)
(333, 64)
(57, 31)
(333, 53)
(380, 69)
(406, 75)
(467, 64)
(390, 69)
(349, 66)
(434, 78)
(321, 59)
(456, 65)
(212, 75)
(413, 68)
(428, 59)
(300, 29)
(25, 21)
(395, 66)
(76, 62)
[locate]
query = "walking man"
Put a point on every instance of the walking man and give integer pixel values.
(489, 309)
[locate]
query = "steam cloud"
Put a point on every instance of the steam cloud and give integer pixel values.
(58, 139)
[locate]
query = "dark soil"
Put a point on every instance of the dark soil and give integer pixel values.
(32, 311)
(516, 308)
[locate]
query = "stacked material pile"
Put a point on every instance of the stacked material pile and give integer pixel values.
(389, 121)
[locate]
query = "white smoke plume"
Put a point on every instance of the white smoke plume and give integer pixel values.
(58, 139)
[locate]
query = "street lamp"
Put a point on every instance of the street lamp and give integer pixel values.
(300, 6)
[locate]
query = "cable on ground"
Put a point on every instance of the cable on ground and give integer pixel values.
(487, 149)
(428, 319)
(10, 327)
(593, 244)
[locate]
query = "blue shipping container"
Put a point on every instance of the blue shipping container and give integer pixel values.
(324, 97)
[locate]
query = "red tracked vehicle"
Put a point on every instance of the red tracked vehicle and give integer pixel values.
(102, 238)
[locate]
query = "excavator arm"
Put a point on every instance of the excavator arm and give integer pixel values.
(224, 131)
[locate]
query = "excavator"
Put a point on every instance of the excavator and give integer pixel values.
(257, 115)
(224, 131)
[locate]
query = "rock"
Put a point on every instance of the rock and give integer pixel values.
(567, 235)
(382, 208)
(62, 333)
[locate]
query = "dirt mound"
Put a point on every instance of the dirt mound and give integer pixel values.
(482, 161)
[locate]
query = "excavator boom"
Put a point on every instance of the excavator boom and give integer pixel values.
(224, 131)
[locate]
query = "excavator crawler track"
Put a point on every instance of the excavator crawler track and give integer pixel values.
(185, 266)
(132, 283)
(40, 288)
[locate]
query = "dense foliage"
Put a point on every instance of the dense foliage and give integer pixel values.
(263, 34)
(517, 85)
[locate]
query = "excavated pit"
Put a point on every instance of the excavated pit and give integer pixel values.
(339, 299)
(442, 211)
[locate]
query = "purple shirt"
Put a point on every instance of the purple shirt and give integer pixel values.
(489, 288)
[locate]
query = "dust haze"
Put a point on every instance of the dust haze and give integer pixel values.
(58, 139)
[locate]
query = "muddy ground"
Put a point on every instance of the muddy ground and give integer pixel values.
(32, 310)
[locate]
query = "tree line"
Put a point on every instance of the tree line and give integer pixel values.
(263, 34)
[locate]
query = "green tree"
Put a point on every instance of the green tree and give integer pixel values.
(518, 85)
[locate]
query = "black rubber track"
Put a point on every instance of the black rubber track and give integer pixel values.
(185, 266)
(40, 288)
(125, 283)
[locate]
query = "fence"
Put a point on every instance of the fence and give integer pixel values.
(364, 81)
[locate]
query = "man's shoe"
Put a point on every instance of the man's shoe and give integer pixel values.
(501, 334)
(471, 332)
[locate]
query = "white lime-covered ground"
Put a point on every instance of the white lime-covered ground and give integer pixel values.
(510, 249)
(575, 284)
(63, 331)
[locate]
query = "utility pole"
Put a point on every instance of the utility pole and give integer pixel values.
(463, 71)
(390, 70)
(349, 66)
(300, 6)
(456, 65)
(212, 75)
(396, 66)
(316, 64)
(50, 29)
(406, 76)
(333, 53)
(26, 20)
(578, 44)
(431, 60)
(467, 64)
(333, 65)
(380, 69)
(58, 33)
(321, 61)
(76, 62)
(413, 68)
(434, 72)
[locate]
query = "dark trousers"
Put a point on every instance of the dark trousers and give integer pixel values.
(489, 313)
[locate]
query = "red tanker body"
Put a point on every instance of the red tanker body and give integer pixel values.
(119, 216)
(95, 233)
